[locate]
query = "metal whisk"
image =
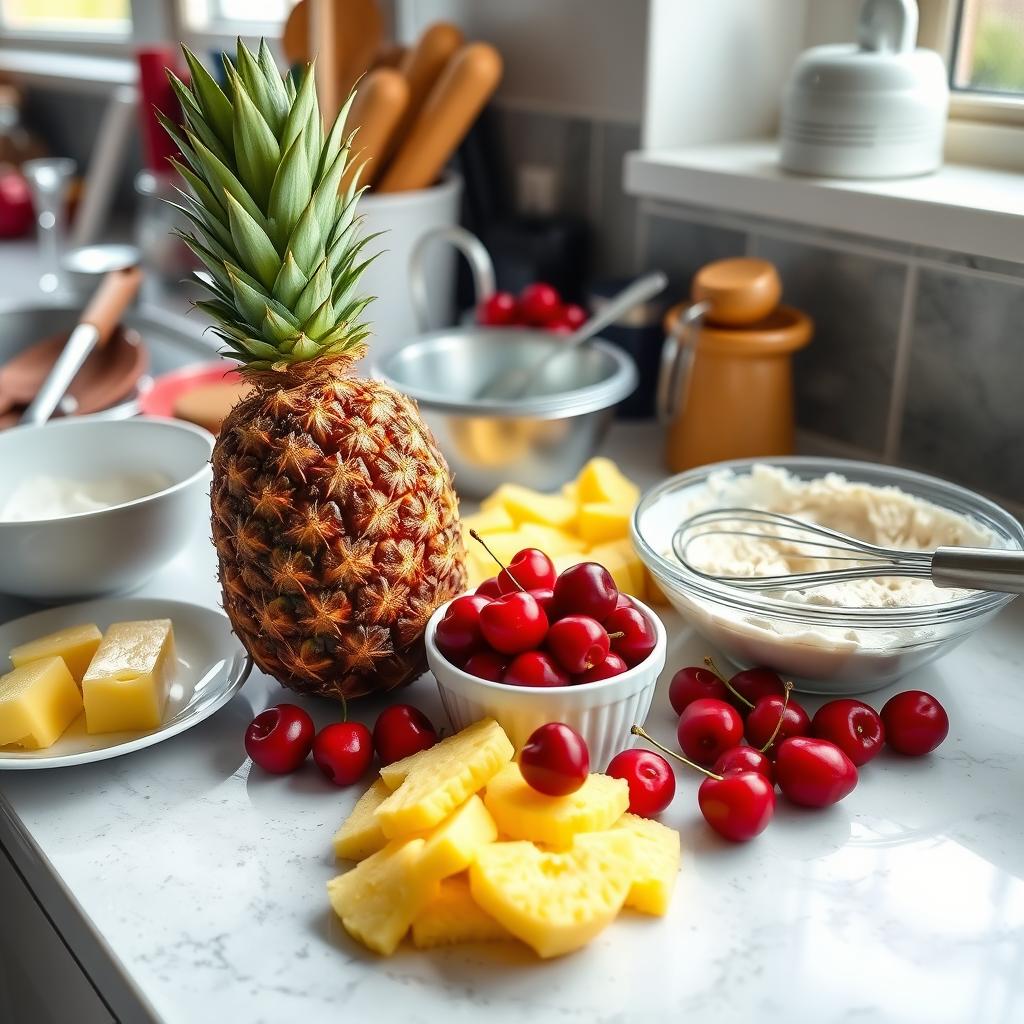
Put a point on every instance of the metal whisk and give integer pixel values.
(993, 569)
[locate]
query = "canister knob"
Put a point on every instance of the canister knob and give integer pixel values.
(737, 291)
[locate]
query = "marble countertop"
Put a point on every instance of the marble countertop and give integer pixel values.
(191, 888)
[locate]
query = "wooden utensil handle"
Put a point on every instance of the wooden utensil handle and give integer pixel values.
(465, 85)
(423, 64)
(112, 298)
(376, 111)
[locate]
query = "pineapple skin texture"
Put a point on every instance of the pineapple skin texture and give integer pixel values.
(336, 528)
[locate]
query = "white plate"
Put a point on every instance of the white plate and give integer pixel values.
(212, 666)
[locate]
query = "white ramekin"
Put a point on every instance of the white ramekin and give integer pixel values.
(601, 712)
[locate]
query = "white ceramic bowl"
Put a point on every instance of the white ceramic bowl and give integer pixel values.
(601, 712)
(114, 549)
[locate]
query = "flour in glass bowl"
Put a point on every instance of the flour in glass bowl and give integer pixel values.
(886, 516)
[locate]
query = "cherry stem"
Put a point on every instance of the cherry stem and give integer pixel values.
(344, 708)
(725, 682)
(476, 536)
(778, 724)
(615, 636)
(637, 730)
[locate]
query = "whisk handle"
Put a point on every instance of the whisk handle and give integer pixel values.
(979, 569)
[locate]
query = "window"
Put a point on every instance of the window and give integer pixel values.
(225, 15)
(67, 17)
(988, 48)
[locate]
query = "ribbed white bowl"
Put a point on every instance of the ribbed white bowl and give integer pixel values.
(601, 712)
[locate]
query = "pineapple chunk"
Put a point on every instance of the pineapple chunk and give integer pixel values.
(571, 490)
(38, 701)
(479, 565)
(551, 541)
(520, 812)
(380, 897)
(622, 561)
(454, 917)
(528, 506)
(601, 480)
(655, 865)
(492, 520)
(429, 785)
(602, 521)
(126, 684)
(652, 590)
(360, 834)
(75, 644)
(555, 902)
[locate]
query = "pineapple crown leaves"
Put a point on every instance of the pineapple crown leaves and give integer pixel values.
(269, 219)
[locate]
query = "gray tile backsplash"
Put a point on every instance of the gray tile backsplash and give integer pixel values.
(615, 214)
(681, 248)
(844, 377)
(964, 412)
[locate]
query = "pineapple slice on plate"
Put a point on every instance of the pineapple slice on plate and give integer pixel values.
(655, 865)
(520, 812)
(334, 517)
(527, 506)
(360, 833)
(380, 897)
(453, 916)
(429, 785)
(555, 902)
(601, 480)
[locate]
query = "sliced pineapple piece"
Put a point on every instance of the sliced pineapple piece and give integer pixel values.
(520, 812)
(571, 490)
(429, 785)
(600, 521)
(555, 902)
(360, 834)
(655, 865)
(379, 898)
(452, 846)
(551, 541)
(622, 561)
(528, 506)
(601, 480)
(453, 916)
(490, 520)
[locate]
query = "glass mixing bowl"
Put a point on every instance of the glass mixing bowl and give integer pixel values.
(824, 649)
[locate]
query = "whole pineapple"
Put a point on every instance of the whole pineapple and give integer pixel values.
(334, 518)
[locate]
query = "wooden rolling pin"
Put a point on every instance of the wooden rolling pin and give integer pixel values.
(459, 95)
(376, 111)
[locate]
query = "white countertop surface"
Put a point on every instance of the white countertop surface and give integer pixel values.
(191, 889)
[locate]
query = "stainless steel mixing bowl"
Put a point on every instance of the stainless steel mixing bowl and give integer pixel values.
(540, 441)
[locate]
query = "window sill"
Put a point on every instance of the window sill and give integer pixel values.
(66, 70)
(963, 208)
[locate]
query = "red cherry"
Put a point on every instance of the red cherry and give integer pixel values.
(555, 759)
(489, 588)
(586, 589)
(612, 666)
(744, 759)
(764, 719)
(737, 806)
(343, 751)
(639, 638)
(530, 569)
(573, 315)
(752, 684)
(539, 304)
(514, 623)
(498, 310)
(280, 738)
(915, 722)
(546, 599)
(558, 327)
(853, 726)
(813, 772)
(486, 665)
(458, 633)
(692, 683)
(651, 781)
(401, 730)
(623, 601)
(535, 668)
(707, 728)
(577, 642)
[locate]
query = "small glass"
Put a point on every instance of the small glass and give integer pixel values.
(49, 179)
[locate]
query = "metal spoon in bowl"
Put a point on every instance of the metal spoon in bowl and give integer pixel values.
(517, 382)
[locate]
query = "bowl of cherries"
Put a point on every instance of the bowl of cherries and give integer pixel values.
(531, 646)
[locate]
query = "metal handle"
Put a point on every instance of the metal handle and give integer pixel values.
(677, 355)
(75, 352)
(470, 246)
(641, 290)
(979, 569)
